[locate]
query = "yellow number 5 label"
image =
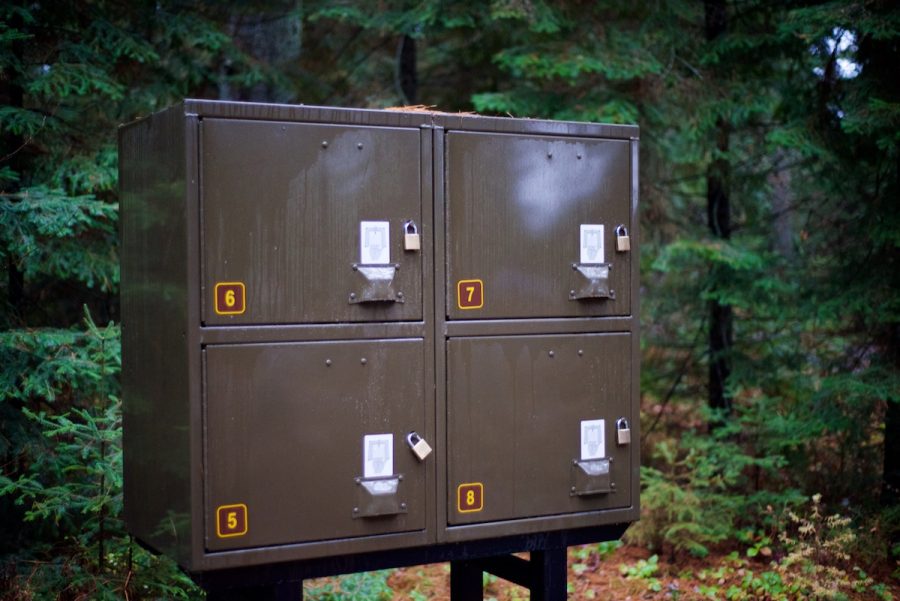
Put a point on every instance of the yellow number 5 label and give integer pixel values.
(231, 520)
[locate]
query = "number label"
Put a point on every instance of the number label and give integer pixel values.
(231, 298)
(470, 497)
(231, 520)
(470, 294)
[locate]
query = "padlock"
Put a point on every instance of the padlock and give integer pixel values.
(623, 241)
(418, 445)
(623, 432)
(411, 240)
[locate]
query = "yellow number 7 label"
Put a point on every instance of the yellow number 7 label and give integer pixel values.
(470, 294)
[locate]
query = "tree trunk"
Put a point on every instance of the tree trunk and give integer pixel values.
(11, 149)
(407, 77)
(273, 38)
(718, 212)
(890, 484)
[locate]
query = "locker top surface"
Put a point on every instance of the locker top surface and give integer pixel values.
(402, 117)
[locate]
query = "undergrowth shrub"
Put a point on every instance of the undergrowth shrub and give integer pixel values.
(63, 491)
(697, 493)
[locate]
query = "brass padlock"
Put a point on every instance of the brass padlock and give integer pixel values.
(419, 447)
(623, 241)
(623, 432)
(411, 240)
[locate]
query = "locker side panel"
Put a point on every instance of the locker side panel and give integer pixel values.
(155, 349)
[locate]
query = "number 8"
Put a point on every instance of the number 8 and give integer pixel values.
(470, 498)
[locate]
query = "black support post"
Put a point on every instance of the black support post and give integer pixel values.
(550, 575)
(466, 581)
(545, 575)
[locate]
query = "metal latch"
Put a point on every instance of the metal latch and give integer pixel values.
(592, 282)
(375, 284)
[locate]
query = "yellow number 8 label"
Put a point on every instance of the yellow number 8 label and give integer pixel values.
(470, 497)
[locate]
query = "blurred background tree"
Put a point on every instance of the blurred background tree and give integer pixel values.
(770, 235)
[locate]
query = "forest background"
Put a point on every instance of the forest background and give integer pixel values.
(770, 252)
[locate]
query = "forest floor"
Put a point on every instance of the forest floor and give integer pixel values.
(630, 573)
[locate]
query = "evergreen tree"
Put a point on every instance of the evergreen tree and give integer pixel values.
(71, 73)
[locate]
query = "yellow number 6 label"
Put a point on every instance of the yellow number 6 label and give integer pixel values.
(230, 298)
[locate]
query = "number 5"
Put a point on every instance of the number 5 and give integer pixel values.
(232, 520)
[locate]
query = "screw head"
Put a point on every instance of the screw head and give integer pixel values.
(363, 361)
(327, 362)
(324, 143)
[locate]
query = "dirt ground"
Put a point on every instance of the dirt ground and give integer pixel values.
(630, 574)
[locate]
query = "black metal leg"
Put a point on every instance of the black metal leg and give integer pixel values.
(466, 581)
(550, 575)
(285, 591)
(545, 575)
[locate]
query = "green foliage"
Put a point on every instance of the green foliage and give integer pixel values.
(69, 493)
(52, 235)
(71, 72)
(644, 569)
(364, 586)
(696, 497)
